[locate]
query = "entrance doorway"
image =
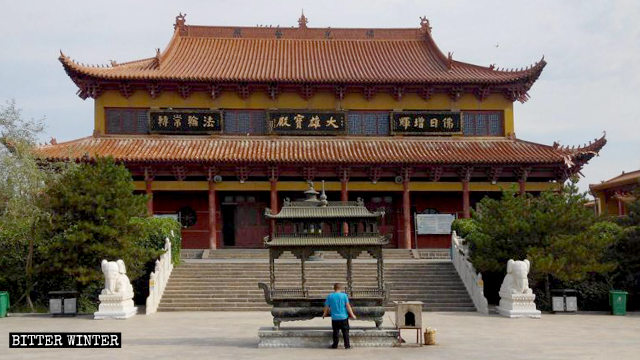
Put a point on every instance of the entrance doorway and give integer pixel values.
(228, 224)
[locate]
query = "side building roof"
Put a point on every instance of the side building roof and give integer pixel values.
(624, 179)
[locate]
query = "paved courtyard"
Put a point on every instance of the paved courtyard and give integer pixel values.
(233, 335)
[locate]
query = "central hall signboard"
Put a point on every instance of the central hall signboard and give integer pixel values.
(307, 122)
(185, 121)
(426, 122)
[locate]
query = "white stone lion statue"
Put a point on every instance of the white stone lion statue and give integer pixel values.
(516, 281)
(116, 280)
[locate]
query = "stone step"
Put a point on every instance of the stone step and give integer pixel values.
(222, 286)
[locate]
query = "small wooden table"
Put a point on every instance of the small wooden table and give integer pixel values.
(419, 339)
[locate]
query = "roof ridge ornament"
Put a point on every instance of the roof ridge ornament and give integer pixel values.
(180, 23)
(323, 197)
(424, 25)
(302, 21)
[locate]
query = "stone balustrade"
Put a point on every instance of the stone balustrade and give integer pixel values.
(158, 278)
(470, 277)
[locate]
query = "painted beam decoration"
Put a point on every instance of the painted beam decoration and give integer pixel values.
(426, 122)
(291, 122)
(185, 121)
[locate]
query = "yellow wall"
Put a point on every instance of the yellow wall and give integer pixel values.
(418, 186)
(322, 100)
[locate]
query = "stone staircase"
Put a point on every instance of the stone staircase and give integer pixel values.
(228, 285)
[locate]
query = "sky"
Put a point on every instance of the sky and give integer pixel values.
(591, 83)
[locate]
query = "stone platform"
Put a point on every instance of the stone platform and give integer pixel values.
(320, 337)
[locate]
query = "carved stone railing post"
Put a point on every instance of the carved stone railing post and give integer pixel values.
(159, 278)
(472, 280)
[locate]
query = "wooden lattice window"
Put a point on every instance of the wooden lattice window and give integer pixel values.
(127, 121)
(244, 122)
(374, 123)
(483, 123)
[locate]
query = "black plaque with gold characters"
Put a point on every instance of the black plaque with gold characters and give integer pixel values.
(305, 122)
(426, 122)
(185, 121)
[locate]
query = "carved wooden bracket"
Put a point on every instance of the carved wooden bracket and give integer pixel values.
(243, 90)
(307, 91)
(482, 92)
(214, 91)
(308, 173)
(455, 93)
(184, 90)
(426, 93)
(493, 173)
(153, 89)
(398, 92)
(344, 173)
(273, 173)
(340, 91)
(180, 172)
(436, 173)
(149, 173)
(212, 171)
(273, 91)
(125, 89)
(374, 173)
(242, 173)
(406, 173)
(369, 92)
(522, 173)
(465, 173)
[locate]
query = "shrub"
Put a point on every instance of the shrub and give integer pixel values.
(464, 227)
(154, 231)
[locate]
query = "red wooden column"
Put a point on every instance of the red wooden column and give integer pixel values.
(344, 195)
(522, 185)
(344, 192)
(406, 215)
(465, 175)
(213, 209)
(274, 203)
(466, 211)
(148, 179)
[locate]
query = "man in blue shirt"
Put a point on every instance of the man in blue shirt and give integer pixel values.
(337, 304)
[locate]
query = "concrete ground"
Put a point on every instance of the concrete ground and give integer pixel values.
(233, 335)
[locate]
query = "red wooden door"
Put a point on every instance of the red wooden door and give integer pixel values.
(250, 225)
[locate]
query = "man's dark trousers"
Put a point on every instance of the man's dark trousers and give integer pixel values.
(337, 326)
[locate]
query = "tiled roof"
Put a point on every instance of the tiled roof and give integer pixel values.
(318, 150)
(330, 211)
(632, 177)
(309, 55)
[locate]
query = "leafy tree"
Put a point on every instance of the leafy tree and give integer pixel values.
(21, 185)
(563, 239)
(91, 208)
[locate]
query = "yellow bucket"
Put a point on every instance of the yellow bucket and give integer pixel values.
(430, 336)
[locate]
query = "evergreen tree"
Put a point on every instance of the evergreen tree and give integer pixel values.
(91, 209)
(563, 239)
